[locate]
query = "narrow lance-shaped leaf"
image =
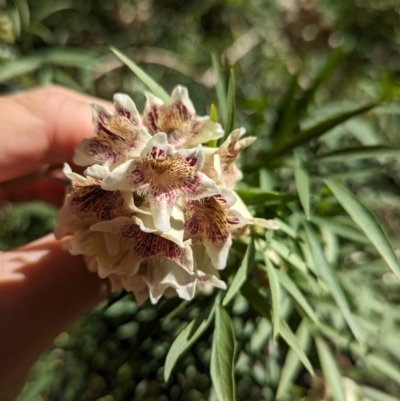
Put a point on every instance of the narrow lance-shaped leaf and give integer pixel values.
(357, 152)
(288, 335)
(292, 365)
(294, 291)
(213, 113)
(303, 188)
(220, 86)
(186, 338)
(317, 130)
(256, 196)
(367, 222)
(256, 300)
(222, 356)
(214, 117)
(229, 120)
(241, 274)
(262, 306)
(154, 87)
(330, 370)
(374, 394)
(323, 75)
(275, 294)
(332, 281)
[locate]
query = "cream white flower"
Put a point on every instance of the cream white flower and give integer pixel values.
(211, 222)
(163, 175)
(225, 164)
(153, 212)
(119, 136)
(178, 120)
(87, 203)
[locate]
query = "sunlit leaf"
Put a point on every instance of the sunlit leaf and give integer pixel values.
(297, 295)
(154, 87)
(317, 130)
(292, 364)
(367, 222)
(213, 113)
(241, 274)
(357, 152)
(255, 196)
(186, 338)
(381, 364)
(289, 255)
(376, 395)
(275, 293)
(229, 119)
(303, 188)
(290, 338)
(220, 86)
(222, 356)
(256, 300)
(332, 280)
(330, 370)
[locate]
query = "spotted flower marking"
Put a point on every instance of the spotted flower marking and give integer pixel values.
(163, 175)
(119, 136)
(210, 222)
(178, 120)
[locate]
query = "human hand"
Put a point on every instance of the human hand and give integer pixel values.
(43, 289)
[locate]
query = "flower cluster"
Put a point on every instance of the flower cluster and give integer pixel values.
(155, 210)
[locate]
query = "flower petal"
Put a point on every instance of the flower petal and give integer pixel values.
(119, 136)
(211, 222)
(178, 120)
(162, 274)
(140, 245)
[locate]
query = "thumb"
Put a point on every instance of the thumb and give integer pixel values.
(43, 290)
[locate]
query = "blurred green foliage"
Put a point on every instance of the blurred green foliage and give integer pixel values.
(302, 69)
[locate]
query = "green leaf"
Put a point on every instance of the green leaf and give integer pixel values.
(288, 335)
(317, 130)
(376, 395)
(262, 306)
(275, 293)
(41, 31)
(332, 280)
(330, 370)
(357, 152)
(220, 86)
(222, 356)
(154, 87)
(285, 121)
(186, 338)
(255, 196)
(24, 13)
(387, 368)
(291, 366)
(323, 75)
(14, 68)
(367, 222)
(241, 274)
(231, 104)
(303, 188)
(256, 300)
(293, 258)
(213, 113)
(340, 228)
(297, 295)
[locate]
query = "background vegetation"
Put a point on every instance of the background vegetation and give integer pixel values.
(315, 313)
